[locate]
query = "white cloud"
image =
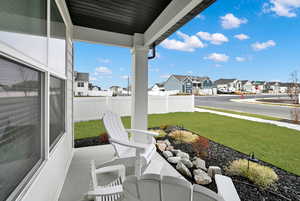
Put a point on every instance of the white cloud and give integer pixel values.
(216, 38)
(240, 59)
(201, 17)
(261, 46)
(189, 72)
(103, 60)
(218, 65)
(102, 70)
(164, 76)
(285, 8)
(229, 21)
(189, 43)
(217, 57)
(125, 77)
(242, 36)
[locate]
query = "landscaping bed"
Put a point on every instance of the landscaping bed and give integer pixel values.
(287, 187)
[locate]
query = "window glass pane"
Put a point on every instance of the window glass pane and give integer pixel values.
(57, 41)
(23, 26)
(57, 109)
(20, 124)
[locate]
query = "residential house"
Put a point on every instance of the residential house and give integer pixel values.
(228, 85)
(116, 90)
(94, 87)
(284, 87)
(187, 84)
(259, 86)
(272, 87)
(247, 86)
(158, 87)
(81, 84)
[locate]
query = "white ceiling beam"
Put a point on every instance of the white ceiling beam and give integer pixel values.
(172, 14)
(102, 37)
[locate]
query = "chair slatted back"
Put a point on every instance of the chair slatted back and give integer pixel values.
(174, 188)
(149, 187)
(115, 129)
(201, 193)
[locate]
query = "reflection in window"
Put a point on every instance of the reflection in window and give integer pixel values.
(57, 109)
(20, 124)
(57, 41)
(23, 26)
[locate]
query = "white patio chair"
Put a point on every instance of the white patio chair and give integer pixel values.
(128, 152)
(111, 191)
(154, 188)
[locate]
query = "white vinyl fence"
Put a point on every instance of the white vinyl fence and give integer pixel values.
(91, 108)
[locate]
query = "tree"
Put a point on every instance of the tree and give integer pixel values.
(294, 87)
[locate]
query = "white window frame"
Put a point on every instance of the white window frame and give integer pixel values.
(20, 57)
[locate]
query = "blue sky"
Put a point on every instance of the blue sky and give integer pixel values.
(243, 39)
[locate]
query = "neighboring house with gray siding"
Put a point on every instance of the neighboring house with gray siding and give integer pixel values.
(187, 84)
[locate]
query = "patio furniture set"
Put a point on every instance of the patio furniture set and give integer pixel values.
(144, 185)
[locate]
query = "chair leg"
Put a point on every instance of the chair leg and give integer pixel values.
(138, 165)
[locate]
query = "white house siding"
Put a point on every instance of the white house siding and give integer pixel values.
(91, 108)
(50, 179)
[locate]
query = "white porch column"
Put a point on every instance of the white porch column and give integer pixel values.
(139, 84)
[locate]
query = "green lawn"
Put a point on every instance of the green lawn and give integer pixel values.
(277, 145)
(241, 113)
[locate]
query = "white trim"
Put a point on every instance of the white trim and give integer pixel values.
(60, 187)
(46, 115)
(172, 14)
(64, 12)
(101, 37)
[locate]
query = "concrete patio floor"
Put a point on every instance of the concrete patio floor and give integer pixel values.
(77, 181)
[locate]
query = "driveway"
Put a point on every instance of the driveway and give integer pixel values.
(223, 101)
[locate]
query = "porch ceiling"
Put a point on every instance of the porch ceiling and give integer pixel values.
(126, 17)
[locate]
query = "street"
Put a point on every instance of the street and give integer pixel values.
(224, 102)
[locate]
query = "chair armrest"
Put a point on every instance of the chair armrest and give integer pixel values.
(226, 188)
(138, 146)
(100, 191)
(142, 132)
(114, 168)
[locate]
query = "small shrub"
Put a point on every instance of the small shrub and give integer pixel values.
(161, 133)
(163, 126)
(260, 175)
(201, 146)
(184, 136)
(103, 138)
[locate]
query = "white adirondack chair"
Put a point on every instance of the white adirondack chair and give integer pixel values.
(128, 152)
(152, 187)
(109, 192)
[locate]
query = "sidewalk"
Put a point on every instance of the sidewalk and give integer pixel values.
(277, 123)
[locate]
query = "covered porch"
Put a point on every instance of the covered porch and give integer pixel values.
(78, 179)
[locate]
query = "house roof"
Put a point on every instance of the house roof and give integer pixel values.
(126, 17)
(285, 84)
(258, 82)
(244, 81)
(198, 78)
(224, 81)
(272, 83)
(115, 87)
(161, 84)
(193, 78)
(81, 76)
